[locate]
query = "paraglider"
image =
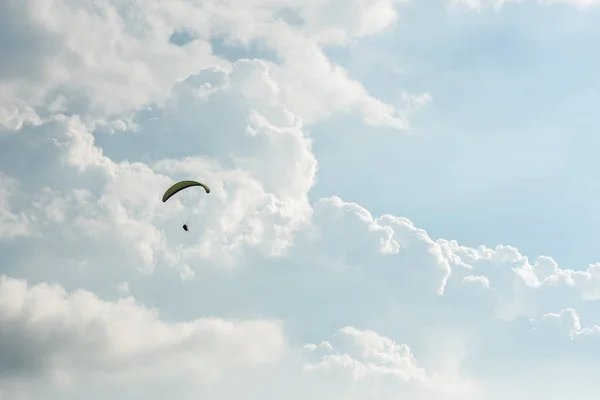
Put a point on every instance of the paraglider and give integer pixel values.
(179, 186)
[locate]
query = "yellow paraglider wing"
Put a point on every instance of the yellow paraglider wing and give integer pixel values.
(179, 186)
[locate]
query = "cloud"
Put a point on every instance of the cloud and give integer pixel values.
(271, 294)
(138, 63)
(369, 355)
(377, 352)
(253, 205)
(12, 224)
(49, 332)
(14, 116)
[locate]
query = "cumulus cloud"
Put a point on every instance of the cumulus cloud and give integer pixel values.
(49, 332)
(369, 355)
(253, 205)
(116, 58)
(271, 294)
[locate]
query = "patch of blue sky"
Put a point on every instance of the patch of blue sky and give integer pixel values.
(506, 152)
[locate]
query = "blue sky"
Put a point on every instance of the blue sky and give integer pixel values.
(403, 200)
(508, 142)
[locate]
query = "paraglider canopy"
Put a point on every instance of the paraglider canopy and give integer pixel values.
(179, 186)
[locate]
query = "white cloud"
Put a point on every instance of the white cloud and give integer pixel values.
(12, 224)
(49, 332)
(385, 270)
(365, 355)
(114, 58)
(569, 321)
(14, 116)
(381, 356)
(318, 300)
(253, 205)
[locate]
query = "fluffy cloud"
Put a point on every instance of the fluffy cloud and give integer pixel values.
(109, 59)
(271, 295)
(252, 205)
(369, 355)
(47, 332)
(12, 224)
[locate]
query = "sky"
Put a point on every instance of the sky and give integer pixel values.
(403, 199)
